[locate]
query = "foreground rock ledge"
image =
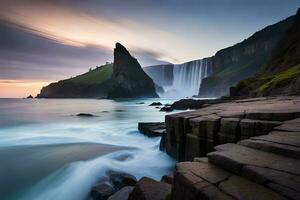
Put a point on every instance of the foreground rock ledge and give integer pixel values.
(264, 166)
(195, 133)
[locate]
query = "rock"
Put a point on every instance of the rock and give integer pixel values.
(152, 129)
(162, 144)
(85, 115)
(166, 109)
(286, 145)
(243, 189)
(120, 180)
(167, 178)
(193, 181)
(102, 191)
(122, 194)
(149, 189)
(230, 130)
(156, 104)
(29, 97)
(128, 78)
(140, 103)
(271, 178)
(232, 157)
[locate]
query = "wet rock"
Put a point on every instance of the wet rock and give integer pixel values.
(85, 115)
(166, 109)
(102, 191)
(149, 189)
(167, 178)
(120, 179)
(156, 104)
(152, 129)
(122, 194)
(29, 97)
(140, 103)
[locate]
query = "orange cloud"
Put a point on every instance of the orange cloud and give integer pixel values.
(77, 28)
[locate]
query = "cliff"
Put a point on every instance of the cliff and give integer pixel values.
(162, 75)
(94, 83)
(281, 74)
(233, 64)
(125, 78)
(129, 79)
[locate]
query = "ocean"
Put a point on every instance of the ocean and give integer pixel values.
(47, 152)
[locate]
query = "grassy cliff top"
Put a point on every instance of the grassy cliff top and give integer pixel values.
(95, 76)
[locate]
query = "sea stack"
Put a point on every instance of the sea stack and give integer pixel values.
(129, 79)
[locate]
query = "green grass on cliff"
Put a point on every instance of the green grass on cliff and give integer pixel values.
(96, 76)
(280, 79)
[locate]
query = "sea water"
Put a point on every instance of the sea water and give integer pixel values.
(33, 167)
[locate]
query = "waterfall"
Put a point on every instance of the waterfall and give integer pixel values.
(187, 78)
(180, 80)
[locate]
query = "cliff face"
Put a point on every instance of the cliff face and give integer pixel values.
(242, 60)
(281, 73)
(162, 75)
(125, 78)
(129, 79)
(95, 83)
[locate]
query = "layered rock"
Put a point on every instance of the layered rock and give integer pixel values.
(195, 133)
(262, 167)
(129, 79)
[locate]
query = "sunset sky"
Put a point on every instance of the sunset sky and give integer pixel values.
(43, 41)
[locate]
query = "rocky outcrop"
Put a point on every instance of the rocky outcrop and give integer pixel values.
(152, 129)
(281, 74)
(261, 167)
(129, 79)
(242, 60)
(124, 78)
(195, 133)
(149, 189)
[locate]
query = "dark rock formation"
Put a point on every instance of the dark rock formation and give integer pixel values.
(120, 179)
(152, 129)
(129, 79)
(242, 60)
(166, 109)
(149, 189)
(195, 133)
(122, 194)
(29, 97)
(281, 74)
(156, 104)
(85, 115)
(102, 191)
(260, 167)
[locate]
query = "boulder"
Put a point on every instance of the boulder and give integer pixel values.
(85, 115)
(166, 109)
(122, 194)
(29, 97)
(120, 179)
(149, 189)
(156, 104)
(152, 129)
(167, 178)
(101, 191)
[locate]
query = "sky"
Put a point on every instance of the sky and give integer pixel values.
(42, 41)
